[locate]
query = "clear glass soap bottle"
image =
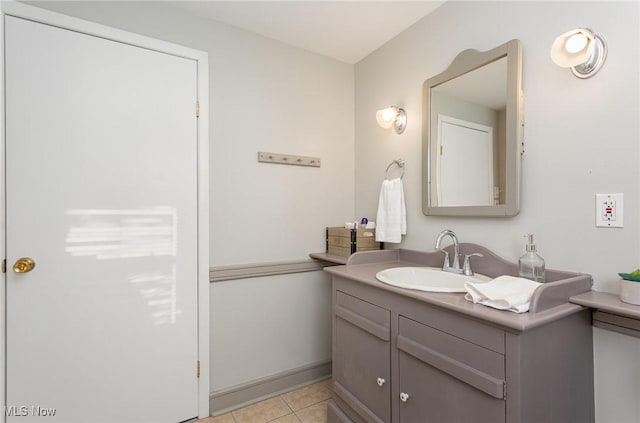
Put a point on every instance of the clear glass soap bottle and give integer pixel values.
(531, 265)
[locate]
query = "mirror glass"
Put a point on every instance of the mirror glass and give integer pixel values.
(472, 135)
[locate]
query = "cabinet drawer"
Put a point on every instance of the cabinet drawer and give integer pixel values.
(459, 326)
(366, 316)
(472, 364)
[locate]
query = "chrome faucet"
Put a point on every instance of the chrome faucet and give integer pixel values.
(455, 267)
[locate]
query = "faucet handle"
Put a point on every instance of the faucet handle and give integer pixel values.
(466, 268)
(445, 265)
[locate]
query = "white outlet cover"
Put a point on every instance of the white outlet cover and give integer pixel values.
(613, 217)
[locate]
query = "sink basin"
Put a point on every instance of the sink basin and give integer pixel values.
(431, 279)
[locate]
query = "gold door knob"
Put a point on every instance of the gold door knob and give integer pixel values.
(24, 265)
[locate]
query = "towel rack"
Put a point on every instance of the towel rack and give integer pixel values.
(397, 162)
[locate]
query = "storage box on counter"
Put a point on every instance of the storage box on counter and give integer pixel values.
(344, 242)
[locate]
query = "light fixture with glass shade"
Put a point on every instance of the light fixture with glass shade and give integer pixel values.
(581, 50)
(394, 117)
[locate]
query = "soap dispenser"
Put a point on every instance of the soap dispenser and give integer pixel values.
(531, 265)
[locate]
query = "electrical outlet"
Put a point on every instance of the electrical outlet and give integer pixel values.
(609, 210)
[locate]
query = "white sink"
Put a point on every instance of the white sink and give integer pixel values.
(430, 279)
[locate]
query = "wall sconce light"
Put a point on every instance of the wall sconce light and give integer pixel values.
(581, 50)
(392, 116)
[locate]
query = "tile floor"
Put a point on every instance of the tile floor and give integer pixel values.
(304, 405)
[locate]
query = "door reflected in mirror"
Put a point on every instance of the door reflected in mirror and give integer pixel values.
(471, 135)
(467, 121)
(464, 163)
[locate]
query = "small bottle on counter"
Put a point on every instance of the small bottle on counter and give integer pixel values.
(531, 265)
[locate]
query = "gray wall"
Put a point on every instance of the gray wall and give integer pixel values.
(264, 96)
(582, 138)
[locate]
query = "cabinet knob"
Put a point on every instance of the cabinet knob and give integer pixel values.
(380, 381)
(404, 396)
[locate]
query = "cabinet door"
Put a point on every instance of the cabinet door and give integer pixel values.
(361, 357)
(447, 379)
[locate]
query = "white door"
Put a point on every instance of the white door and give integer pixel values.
(101, 192)
(465, 163)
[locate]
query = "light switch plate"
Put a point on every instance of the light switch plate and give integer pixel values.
(609, 210)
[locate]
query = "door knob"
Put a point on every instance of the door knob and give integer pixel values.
(380, 381)
(24, 265)
(404, 397)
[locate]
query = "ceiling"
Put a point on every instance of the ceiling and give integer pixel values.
(344, 30)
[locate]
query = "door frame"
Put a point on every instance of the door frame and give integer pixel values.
(66, 22)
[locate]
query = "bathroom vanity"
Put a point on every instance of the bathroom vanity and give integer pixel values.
(410, 356)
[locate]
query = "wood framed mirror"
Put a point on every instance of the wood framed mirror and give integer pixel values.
(472, 135)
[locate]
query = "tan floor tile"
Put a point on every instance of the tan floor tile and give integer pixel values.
(327, 384)
(289, 418)
(309, 395)
(224, 418)
(315, 414)
(262, 412)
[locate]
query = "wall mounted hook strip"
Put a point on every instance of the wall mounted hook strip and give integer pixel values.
(288, 159)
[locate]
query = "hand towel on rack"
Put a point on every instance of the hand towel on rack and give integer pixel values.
(391, 221)
(504, 293)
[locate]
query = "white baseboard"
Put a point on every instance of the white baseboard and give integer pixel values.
(238, 396)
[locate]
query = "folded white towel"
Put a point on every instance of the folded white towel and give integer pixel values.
(504, 293)
(391, 221)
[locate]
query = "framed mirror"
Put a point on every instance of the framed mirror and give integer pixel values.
(472, 135)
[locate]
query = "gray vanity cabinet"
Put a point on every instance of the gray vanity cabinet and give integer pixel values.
(399, 357)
